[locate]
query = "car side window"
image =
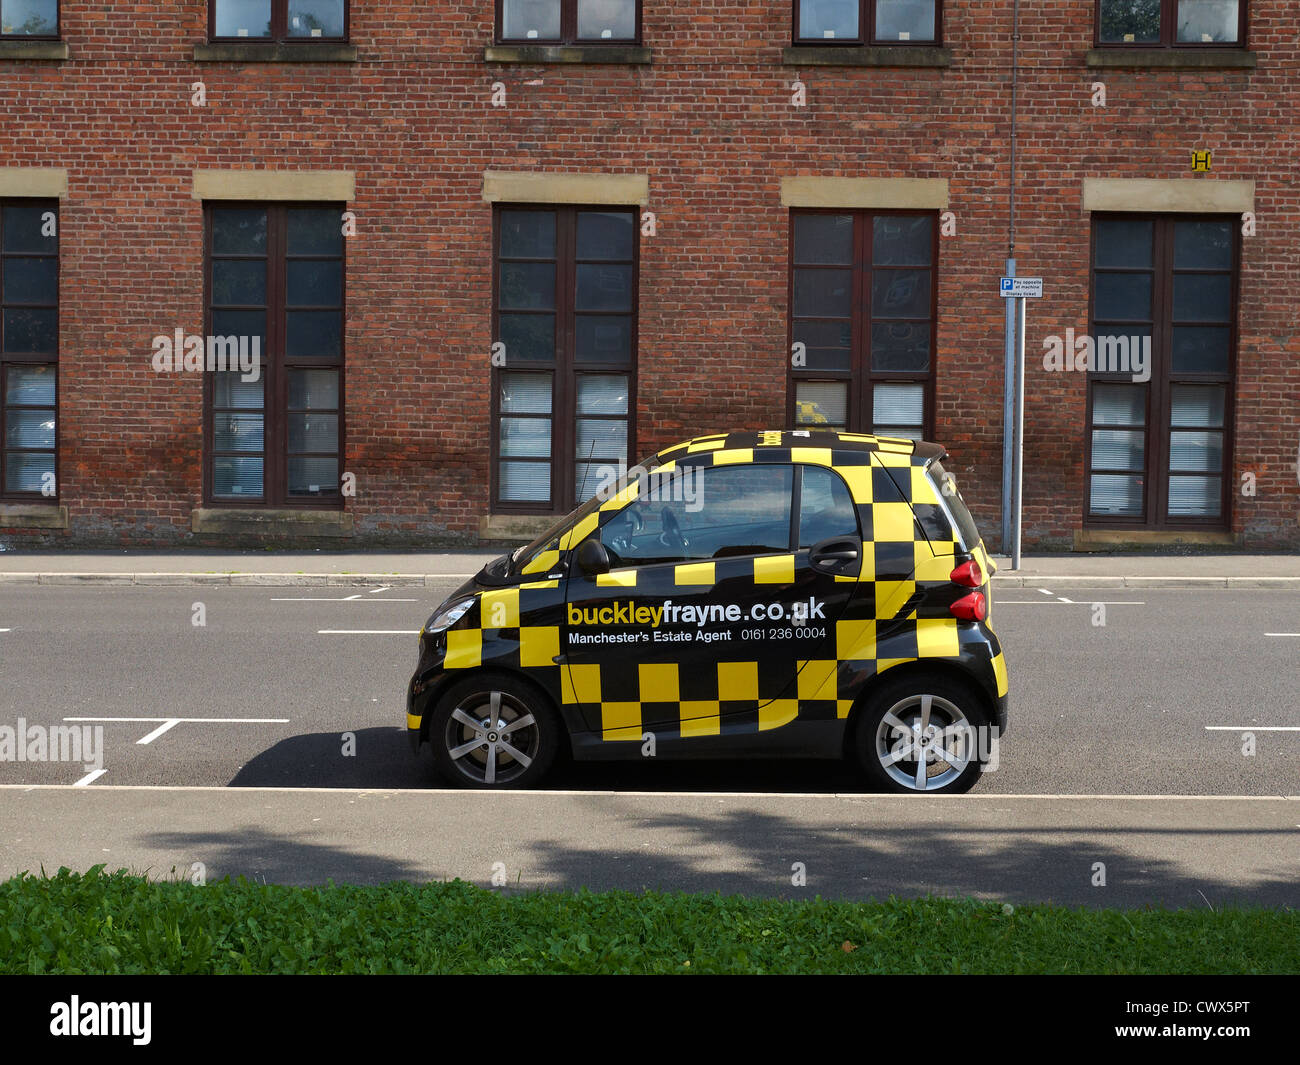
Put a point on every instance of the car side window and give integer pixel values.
(700, 513)
(825, 507)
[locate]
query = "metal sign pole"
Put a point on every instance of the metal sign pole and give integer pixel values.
(1019, 431)
(1008, 413)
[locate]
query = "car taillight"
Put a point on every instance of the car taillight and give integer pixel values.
(971, 607)
(968, 575)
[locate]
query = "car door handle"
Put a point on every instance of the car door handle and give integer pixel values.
(838, 553)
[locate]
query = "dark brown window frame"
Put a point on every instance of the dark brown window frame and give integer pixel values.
(31, 359)
(275, 365)
(280, 27)
(565, 369)
(1159, 388)
(57, 35)
(1169, 31)
(860, 377)
(867, 25)
(568, 30)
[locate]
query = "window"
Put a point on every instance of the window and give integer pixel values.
(878, 22)
(1171, 23)
(275, 281)
(862, 304)
(569, 21)
(727, 511)
(278, 20)
(1159, 449)
(564, 309)
(29, 19)
(29, 348)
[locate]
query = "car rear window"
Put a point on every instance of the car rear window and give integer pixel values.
(946, 489)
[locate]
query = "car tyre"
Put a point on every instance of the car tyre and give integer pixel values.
(492, 730)
(927, 735)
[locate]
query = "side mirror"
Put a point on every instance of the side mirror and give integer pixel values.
(592, 557)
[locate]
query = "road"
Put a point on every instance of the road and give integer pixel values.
(1153, 703)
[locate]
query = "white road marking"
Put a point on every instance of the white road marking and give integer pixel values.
(515, 795)
(1069, 602)
(1044, 591)
(1252, 728)
(202, 720)
(347, 599)
(367, 632)
(90, 778)
(1266, 634)
(6, 630)
(383, 589)
(1064, 600)
(170, 724)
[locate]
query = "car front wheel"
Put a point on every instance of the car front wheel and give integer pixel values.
(923, 735)
(492, 731)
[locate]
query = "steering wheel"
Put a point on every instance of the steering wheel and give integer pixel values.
(672, 531)
(630, 523)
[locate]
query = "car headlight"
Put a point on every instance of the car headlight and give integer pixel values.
(448, 616)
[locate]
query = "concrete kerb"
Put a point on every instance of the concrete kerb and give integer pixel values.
(430, 580)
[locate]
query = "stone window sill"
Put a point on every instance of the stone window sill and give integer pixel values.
(33, 50)
(628, 55)
(1171, 58)
(858, 55)
(525, 527)
(271, 522)
(261, 52)
(1098, 539)
(33, 516)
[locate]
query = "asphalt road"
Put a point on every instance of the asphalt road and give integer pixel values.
(1153, 702)
(1122, 780)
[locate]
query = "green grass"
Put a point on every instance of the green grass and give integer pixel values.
(119, 923)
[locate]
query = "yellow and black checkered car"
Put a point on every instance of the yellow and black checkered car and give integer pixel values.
(808, 593)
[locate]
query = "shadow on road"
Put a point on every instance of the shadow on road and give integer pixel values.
(382, 758)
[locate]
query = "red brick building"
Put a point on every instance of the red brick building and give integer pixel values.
(578, 230)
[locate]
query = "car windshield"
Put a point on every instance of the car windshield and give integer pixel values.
(550, 539)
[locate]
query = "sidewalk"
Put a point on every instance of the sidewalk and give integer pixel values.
(435, 568)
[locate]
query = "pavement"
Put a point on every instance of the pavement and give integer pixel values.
(431, 569)
(1187, 851)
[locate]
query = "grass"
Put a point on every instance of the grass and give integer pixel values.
(121, 923)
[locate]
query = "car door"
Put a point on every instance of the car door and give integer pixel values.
(711, 608)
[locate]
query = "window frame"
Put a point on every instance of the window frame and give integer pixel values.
(565, 368)
(279, 27)
(275, 365)
(32, 359)
(56, 36)
(1169, 31)
(861, 378)
(568, 30)
(1159, 389)
(866, 37)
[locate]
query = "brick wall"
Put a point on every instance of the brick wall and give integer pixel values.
(710, 121)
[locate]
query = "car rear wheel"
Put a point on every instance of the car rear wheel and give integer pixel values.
(492, 731)
(926, 735)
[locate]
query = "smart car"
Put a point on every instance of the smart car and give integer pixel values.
(807, 593)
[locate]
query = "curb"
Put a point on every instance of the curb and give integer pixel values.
(433, 580)
(256, 580)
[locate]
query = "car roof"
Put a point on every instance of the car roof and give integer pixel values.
(922, 452)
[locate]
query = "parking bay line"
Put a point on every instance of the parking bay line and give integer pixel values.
(90, 778)
(1071, 602)
(168, 723)
(367, 632)
(1252, 728)
(1266, 634)
(358, 598)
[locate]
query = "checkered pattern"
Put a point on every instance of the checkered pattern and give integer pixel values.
(878, 629)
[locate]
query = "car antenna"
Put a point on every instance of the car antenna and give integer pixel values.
(586, 468)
